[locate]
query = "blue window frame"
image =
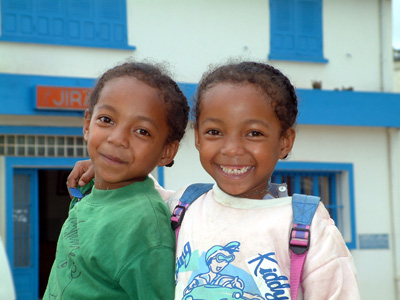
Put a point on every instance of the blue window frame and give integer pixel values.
(88, 23)
(296, 30)
(332, 182)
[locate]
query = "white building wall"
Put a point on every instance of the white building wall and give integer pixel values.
(189, 35)
(367, 149)
(396, 77)
(2, 201)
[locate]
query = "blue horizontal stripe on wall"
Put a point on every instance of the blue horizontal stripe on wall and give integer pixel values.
(17, 93)
(348, 108)
(316, 107)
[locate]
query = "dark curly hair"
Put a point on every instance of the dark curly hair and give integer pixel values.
(276, 87)
(155, 76)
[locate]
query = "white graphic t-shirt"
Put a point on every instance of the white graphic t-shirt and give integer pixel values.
(237, 248)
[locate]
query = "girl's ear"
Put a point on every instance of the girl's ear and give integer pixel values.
(168, 154)
(196, 138)
(86, 123)
(287, 141)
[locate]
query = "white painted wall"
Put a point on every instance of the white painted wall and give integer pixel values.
(2, 200)
(189, 35)
(396, 77)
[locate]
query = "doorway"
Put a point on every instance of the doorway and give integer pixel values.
(53, 210)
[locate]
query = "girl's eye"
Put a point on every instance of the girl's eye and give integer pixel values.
(255, 133)
(143, 132)
(106, 120)
(213, 132)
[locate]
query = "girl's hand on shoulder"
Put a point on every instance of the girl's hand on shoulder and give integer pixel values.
(81, 174)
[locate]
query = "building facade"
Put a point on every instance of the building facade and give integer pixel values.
(347, 148)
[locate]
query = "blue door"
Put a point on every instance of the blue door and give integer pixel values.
(25, 262)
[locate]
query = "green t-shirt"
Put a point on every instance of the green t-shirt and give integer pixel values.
(115, 244)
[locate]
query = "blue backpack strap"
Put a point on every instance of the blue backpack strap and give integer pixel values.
(304, 208)
(79, 192)
(191, 193)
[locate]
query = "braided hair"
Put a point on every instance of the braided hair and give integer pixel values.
(276, 87)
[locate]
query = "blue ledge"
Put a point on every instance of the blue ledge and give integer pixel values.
(316, 107)
(348, 108)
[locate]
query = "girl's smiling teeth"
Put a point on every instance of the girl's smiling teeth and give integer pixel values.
(230, 170)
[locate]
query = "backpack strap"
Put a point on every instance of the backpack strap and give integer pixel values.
(79, 192)
(191, 193)
(304, 208)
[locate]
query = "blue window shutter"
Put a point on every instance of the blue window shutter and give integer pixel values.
(81, 22)
(18, 18)
(113, 20)
(309, 28)
(296, 30)
(49, 20)
(91, 23)
(282, 22)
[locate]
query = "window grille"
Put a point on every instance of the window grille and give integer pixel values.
(42, 146)
(321, 184)
(21, 219)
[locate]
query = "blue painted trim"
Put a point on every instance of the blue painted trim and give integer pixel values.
(161, 177)
(338, 108)
(58, 43)
(316, 107)
(88, 24)
(38, 130)
(348, 108)
(298, 58)
(9, 186)
(17, 93)
(189, 90)
(311, 166)
(296, 30)
(20, 272)
(353, 243)
(13, 163)
(329, 167)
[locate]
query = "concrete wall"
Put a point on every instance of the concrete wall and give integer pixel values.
(396, 77)
(2, 201)
(189, 35)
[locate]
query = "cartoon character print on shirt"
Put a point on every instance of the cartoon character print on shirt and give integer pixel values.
(218, 282)
(214, 275)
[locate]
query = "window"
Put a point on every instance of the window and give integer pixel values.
(296, 30)
(42, 145)
(100, 23)
(332, 182)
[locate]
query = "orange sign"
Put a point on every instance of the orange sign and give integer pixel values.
(52, 97)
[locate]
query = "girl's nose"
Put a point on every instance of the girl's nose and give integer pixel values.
(118, 137)
(233, 146)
